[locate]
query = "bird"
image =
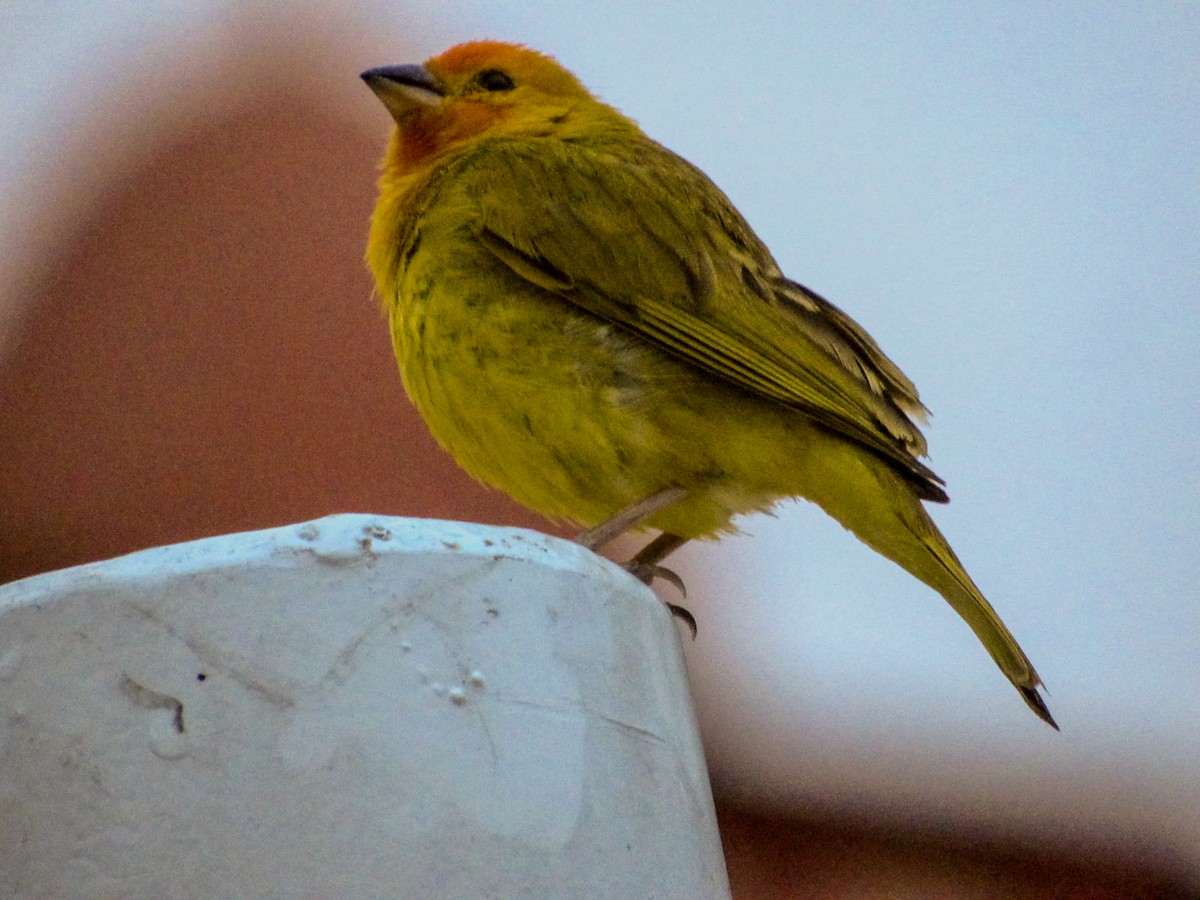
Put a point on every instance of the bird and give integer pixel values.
(585, 322)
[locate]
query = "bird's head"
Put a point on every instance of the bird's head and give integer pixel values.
(478, 89)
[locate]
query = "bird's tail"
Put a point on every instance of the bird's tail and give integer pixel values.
(879, 508)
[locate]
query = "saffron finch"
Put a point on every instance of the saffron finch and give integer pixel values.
(585, 322)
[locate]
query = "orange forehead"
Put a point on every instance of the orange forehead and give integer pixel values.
(526, 65)
(475, 54)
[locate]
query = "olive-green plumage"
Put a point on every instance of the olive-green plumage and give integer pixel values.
(584, 320)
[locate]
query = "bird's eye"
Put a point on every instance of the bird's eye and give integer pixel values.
(494, 80)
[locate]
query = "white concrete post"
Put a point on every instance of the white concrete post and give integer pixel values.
(354, 707)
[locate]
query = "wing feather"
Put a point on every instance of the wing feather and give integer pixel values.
(648, 242)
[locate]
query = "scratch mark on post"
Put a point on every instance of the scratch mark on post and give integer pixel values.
(148, 698)
(214, 660)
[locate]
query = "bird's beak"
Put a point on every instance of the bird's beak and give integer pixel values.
(404, 88)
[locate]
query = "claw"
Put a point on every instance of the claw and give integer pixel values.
(646, 572)
(688, 619)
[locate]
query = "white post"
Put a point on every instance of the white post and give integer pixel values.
(354, 707)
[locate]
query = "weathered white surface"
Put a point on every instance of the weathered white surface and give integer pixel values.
(358, 706)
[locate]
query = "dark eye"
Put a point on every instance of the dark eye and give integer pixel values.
(494, 80)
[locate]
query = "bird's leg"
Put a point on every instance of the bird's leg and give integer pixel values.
(645, 567)
(631, 517)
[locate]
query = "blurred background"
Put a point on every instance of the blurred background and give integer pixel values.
(1007, 196)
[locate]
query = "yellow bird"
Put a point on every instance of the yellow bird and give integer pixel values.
(585, 322)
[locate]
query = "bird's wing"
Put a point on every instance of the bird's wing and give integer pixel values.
(647, 241)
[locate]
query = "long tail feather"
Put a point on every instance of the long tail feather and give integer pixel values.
(878, 506)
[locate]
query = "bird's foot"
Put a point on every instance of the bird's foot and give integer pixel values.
(646, 572)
